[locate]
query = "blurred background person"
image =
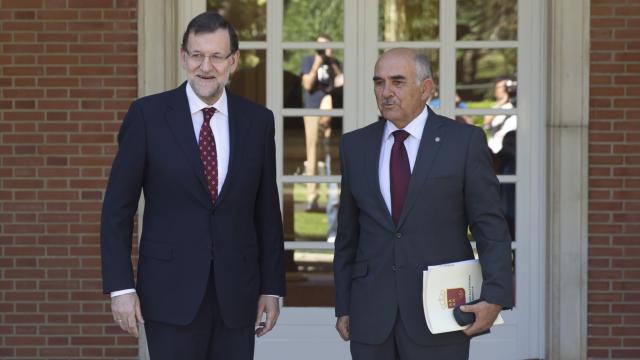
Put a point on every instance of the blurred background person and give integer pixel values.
(434, 103)
(505, 164)
(322, 81)
(505, 93)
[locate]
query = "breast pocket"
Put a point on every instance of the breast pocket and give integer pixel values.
(444, 185)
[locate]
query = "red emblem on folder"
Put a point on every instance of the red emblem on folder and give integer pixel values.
(455, 297)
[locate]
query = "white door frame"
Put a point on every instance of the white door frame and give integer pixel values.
(567, 229)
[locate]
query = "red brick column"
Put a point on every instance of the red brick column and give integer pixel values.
(614, 181)
(68, 73)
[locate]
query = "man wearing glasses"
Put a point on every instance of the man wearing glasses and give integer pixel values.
(210, 262)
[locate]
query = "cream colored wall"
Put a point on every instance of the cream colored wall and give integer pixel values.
(567, 180)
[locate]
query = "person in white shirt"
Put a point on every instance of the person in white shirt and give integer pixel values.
(499, 125)
(412, 184)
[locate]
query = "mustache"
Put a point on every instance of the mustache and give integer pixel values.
(389, 101)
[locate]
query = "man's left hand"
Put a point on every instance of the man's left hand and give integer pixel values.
(486, 313)
(270, 306)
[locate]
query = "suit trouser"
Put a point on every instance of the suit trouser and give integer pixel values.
(206, 338)
(400, 346)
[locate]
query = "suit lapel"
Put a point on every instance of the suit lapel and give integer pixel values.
(374, 142)
(178, 117)
(238, 126)
(427, 152)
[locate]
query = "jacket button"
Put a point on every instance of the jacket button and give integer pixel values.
(398, 235)
(395, 268)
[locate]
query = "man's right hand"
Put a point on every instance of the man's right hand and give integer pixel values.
(126, 312)
(342, 325)
(317, 61)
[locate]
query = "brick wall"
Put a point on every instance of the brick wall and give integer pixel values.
(614, 181)
(68, 73)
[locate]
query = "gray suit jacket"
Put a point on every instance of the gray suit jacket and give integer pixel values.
(378, 265)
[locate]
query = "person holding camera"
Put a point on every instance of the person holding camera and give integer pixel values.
(322, 81)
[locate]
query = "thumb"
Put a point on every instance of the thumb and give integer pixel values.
(139, 313)
(259, 314)
(467, 308)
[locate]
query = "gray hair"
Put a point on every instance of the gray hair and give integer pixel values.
(423, 67)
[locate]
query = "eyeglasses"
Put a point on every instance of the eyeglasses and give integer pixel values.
(196, 58)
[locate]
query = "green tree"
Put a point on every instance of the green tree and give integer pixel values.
(487, 19)
(408, 20)
(249, 17)
(304, 20)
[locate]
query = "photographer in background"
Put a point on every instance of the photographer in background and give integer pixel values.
(322, 81)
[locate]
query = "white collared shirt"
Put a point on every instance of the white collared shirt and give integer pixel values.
(219, 125)
(411, 143)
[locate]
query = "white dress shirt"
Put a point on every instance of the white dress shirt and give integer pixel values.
(411, 143)
(219, 125)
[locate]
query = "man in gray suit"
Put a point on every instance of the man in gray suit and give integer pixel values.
(412, 184)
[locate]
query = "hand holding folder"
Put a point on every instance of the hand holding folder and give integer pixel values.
(446, 287)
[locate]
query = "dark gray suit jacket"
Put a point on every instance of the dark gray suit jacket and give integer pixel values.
(378, 265)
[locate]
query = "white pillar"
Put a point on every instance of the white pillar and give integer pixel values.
(568, 180)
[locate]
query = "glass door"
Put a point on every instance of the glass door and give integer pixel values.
(316, 54)
(311, 62)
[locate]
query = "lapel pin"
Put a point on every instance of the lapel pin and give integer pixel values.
(437, 139)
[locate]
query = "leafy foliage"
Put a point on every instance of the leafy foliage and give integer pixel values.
(487, 19)
(408, 20)
(249, 17)
(304, 20)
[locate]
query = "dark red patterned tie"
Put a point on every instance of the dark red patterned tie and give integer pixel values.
(400, 174)
(208, 154)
